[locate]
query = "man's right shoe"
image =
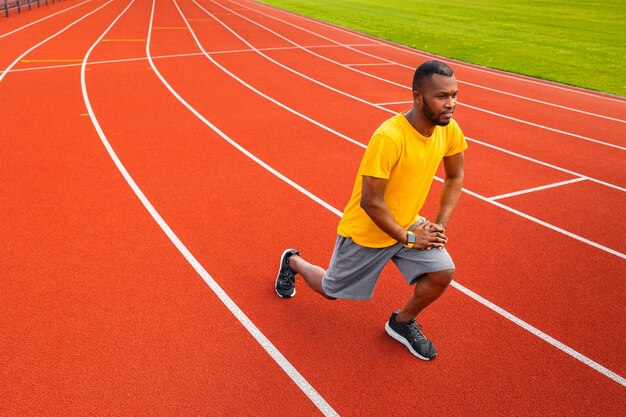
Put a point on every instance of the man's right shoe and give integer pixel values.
(286, 279)
(411, 336)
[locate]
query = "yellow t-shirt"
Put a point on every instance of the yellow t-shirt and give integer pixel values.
(409, 161)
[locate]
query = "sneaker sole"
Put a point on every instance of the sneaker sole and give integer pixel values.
(402, 340)
(278, 275)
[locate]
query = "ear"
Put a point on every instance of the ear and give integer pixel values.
(417, 97)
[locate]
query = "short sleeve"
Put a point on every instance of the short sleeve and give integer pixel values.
(457, 141)
(380, 157)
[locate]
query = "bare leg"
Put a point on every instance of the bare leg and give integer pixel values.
(312, 274)
(427, 289)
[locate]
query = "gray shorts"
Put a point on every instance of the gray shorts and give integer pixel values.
(354, 269)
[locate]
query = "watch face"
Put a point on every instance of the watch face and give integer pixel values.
(410, 238)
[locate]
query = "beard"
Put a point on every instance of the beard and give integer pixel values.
(429, 114)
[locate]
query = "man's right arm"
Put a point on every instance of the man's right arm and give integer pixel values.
(373, 203)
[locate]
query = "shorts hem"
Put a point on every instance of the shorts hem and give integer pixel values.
(417, 278)
(342, 296)
(348, 296)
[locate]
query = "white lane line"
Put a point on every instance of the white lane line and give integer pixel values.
(536, 161)
(391, 103)
(540, 126)
(289, 109)
(42, 19)
(89, 64)
(526, 216)
(403, 48)
(545, 224)
(543, 336)
(532, 190)
(562, 132)
(534, 100)
(228, 302)
(273, 352)
(374, 64)
(617, 187)
(7, 69)
(454, 62)
(552, 341)
(278, 63)
(347, 94)
(338, 45)
(112, 61)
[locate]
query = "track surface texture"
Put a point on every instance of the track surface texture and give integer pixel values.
(158, 157)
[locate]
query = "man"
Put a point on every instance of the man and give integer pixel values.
(381, 221)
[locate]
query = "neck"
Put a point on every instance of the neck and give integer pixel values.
(424, 126)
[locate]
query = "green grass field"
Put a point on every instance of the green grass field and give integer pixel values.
(580, 43)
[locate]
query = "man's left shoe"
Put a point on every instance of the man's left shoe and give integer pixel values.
(286, 279)
(411, 336)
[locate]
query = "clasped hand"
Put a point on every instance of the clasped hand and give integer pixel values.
(429, 235)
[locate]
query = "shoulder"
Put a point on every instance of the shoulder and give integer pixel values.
(391, 130)
(452, 132)
(454, 138)
(453, 128)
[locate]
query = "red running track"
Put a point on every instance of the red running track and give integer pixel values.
(103, 313)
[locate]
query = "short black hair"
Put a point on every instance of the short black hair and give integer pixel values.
(425, 72)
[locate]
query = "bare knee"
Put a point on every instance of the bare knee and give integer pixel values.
(313, 275)
(323, 293)
(441, 278)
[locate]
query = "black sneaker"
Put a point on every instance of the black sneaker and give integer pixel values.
(286, 279)
(410, 335)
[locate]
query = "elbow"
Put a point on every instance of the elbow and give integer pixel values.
(367, 205)
(456, 178)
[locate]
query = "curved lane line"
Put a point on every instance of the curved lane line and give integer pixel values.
(540, 126)
(551, 129)
(7, 69)
(483, 198)
(390, 111)
(274, 353)
(547, 338)
(576, 174)
(390, 62)
(233, 51)
(253, 48)
(42, 19)
(474, 67)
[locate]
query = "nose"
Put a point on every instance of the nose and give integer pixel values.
(451, 102)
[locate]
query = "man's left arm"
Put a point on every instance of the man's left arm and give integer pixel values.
(452, 186)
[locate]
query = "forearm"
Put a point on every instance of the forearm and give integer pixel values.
(450, 195)
(383, 218)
